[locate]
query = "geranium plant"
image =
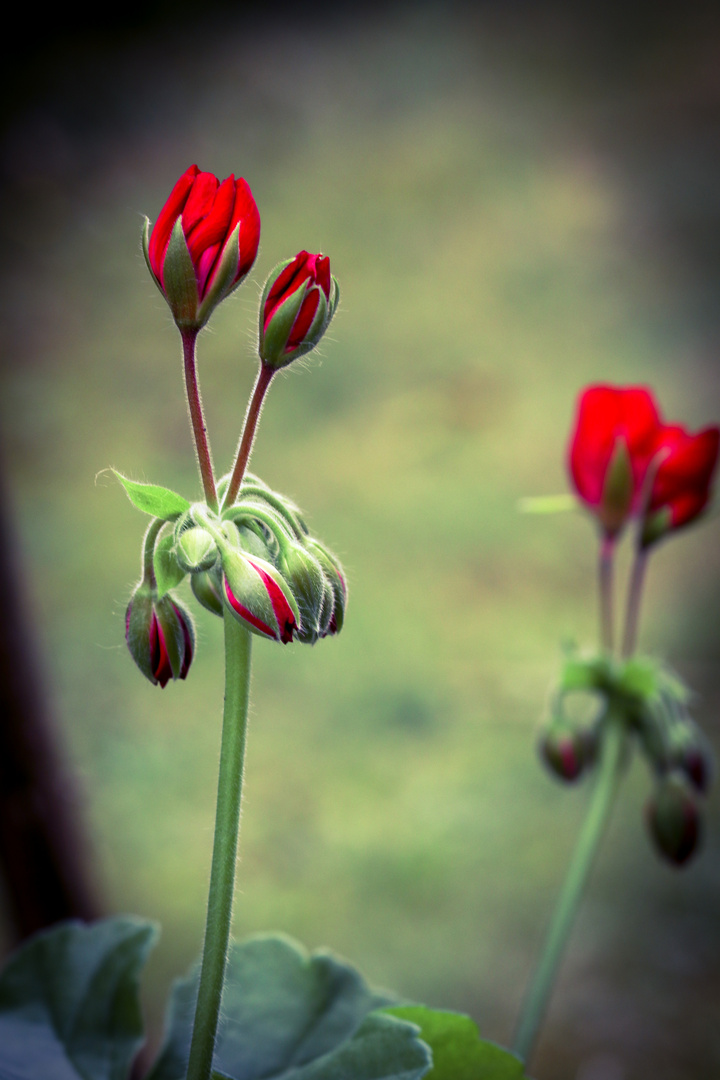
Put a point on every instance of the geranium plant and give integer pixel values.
(69, 1006)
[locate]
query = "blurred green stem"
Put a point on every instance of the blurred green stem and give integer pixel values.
(541, 986)
(605, 575)
(197, 419)
(632, 618)
(227, 823)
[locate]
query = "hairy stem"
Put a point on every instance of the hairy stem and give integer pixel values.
(632, 614)
(202, 446)
(151, 535)
(227, 823)
(252, 416)
(541, 986)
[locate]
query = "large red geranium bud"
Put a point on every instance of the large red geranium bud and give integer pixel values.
(159, 635)
(674, 818)
(682, 483)
(258, 595)
(612, 444)
(298, 302)
(203, 244)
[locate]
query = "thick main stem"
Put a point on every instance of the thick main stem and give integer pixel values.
(632, 617)
(202, 446)
(605, 578)
(252, 416)
(227, 823)
(540, 989)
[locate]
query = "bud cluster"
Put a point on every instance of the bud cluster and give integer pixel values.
(246, 549)
(652, 704)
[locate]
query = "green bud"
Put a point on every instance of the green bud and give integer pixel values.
(206, 586)
(196, 550)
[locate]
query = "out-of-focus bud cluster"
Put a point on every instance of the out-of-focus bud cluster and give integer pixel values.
(652, 703)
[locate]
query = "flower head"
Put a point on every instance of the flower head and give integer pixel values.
(299, 301)
(203, 243)
(612, 445)
(682, 484)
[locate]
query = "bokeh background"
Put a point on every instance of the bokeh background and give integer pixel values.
(517, 199)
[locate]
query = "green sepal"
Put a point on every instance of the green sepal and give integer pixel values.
(458, 1051)
(224, 280)
(157, 501)
(206, 587)
(138, 619)
(168, 572)
(274, 338)
(336, 577)
(655, 526)
(69, 1002)
(306, 579)
(179, 281)
(618, 486)
(167, 617)
(146, 253)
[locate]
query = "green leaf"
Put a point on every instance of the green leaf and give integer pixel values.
(287, 1013)
(168, 573)
(457, 1049)
(547, 504)
(69, 1006)
(151, 499)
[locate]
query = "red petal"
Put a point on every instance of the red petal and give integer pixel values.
(246, 212)
(304, 318)
(160, 236)
(290, 279)
(159, 659)
(283, 612)
(212, 229)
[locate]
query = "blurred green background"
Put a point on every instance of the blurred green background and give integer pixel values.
(517, 201)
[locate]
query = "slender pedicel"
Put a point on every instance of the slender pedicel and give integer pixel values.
(202, 446)
(252, 416)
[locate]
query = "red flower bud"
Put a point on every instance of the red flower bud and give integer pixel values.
(257, 594)
(203, 244)
(298, 303)
(682, 484)
(159, 635)
(612, 445)
(564, 751)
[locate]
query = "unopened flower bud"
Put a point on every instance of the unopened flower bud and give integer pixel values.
(304, 575)
(159, 635)
(299, 300)
(202, 245)
(256, 594)
(673, 818)
(207, 589)
(335, 576)
(564, 750)
(195, 550)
